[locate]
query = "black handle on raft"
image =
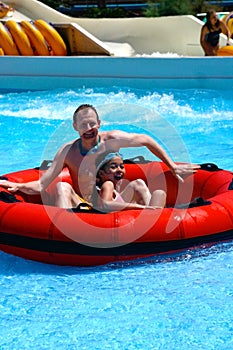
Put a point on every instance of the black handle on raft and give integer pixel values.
(84, 208)
(44, 165)
(230, 188)
(209, 167)
(197, 202)
(3, 178)
(8, 197)
(137, 160)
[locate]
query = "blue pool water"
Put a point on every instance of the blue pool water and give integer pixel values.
(177, 301)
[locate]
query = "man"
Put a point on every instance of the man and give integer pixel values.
(79, 157)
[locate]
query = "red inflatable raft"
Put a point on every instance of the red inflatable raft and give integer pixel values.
(198, 211)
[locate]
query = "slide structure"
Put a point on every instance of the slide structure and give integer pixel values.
(61, 34)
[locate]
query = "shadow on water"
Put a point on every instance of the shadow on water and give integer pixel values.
(11, 265)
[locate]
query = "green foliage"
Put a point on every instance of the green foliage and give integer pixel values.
(174, 8)
(52, 3)
(177, 7)
(152, 9)
(199, 6)
(155, 8)
(95, 12)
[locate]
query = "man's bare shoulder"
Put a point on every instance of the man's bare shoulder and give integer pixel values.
(69, 144)
(112, 134)
(66, 148)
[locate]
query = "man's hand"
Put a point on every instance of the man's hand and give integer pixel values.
(184, 169)
(11, 186)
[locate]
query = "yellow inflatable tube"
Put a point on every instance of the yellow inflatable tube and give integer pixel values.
(54, 40)
(225, 51)
(37, 40)
(228, 20)
(7, 42)
(230, 26)
(20, 38)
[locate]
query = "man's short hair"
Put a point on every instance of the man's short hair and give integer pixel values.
(80, 108)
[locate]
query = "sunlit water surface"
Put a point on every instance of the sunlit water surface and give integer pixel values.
(178, 301)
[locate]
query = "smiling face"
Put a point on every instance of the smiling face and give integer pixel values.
(114, 170)
(87, 124)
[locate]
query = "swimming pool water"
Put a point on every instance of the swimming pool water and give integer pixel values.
(177, 301)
